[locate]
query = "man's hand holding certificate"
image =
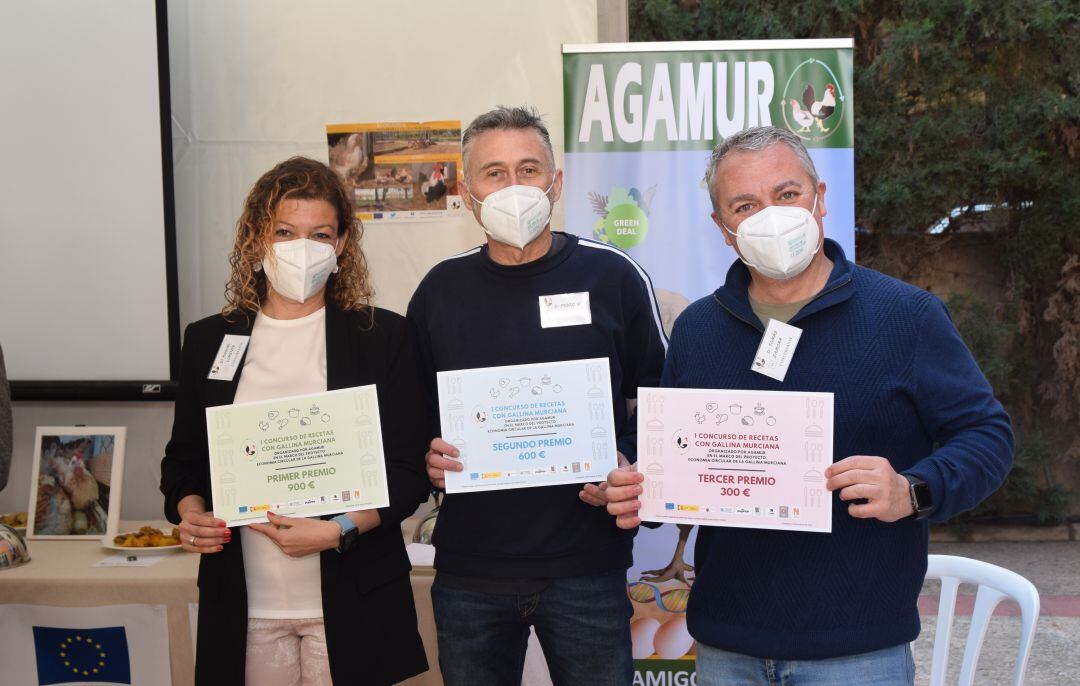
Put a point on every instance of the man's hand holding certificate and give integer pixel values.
(752, 459)
(300, 456)
(528, 425)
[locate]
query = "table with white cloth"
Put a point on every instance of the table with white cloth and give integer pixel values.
(60, 573)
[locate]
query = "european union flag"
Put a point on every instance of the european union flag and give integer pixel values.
(95, 655)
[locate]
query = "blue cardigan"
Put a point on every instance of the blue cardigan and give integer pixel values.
(906, 388)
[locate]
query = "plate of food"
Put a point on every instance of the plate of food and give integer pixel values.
(147, 539)
(16, 520)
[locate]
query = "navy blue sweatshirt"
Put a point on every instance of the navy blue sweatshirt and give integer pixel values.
(906, 388)
(471, 312)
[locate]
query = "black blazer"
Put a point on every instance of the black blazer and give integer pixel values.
(368, 608)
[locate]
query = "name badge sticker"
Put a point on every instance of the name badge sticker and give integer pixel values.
(228, 357)
(565, 309)
(777, 347)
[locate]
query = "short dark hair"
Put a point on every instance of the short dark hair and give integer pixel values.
(506, 119)
(754, 139)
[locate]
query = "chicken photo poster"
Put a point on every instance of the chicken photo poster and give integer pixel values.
(399, 171)
(747, 459)
(529, 425)
(76, 484)
(299, 456)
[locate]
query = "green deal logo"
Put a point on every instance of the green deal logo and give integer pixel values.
(624, 216)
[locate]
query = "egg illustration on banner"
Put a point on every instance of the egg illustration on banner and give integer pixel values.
(642, 632)
(673, 639)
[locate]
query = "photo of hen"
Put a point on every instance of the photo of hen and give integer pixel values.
(73, 485)
(820, 110)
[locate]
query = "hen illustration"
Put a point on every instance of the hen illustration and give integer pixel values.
(678, 567)
(820, 109)
(803, 118)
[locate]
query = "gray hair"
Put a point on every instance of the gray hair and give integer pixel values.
(756, 139)
(506, 119)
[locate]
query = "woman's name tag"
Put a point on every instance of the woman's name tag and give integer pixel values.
(228, 357)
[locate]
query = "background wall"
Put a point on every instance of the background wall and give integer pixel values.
(254, 82)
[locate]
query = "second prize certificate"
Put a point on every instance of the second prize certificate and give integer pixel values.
(529, 425)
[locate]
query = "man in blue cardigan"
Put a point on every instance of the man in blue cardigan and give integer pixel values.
(919, 436)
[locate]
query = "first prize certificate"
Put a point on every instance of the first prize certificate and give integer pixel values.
(529, 425)
(299, 456)
(750, 459)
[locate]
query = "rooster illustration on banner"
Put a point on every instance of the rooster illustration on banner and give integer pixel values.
(813, 101)
(816, 111)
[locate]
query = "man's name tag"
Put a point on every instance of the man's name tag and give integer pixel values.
(776, 350)
(228, 357)
(565, 309)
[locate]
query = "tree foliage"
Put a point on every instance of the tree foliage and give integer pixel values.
(957, 103)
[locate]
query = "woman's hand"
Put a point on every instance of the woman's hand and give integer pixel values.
(299, 536)
(200, 531)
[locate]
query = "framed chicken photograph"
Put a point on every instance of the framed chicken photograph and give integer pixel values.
(76, 484)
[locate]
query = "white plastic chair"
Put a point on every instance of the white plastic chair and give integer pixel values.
(995, 584)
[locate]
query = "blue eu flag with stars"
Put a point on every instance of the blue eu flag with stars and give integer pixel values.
(92, 655)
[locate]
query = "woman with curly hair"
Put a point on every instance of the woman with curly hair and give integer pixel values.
(301, 601)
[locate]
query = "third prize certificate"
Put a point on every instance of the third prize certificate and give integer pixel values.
(751, 459)
(529, 425)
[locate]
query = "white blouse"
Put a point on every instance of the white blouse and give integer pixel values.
(284, 357)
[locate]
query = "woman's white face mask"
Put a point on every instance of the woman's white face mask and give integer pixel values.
(515, 215)
(779, 240)
(300, 268)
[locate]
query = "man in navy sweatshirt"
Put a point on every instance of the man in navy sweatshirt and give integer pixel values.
(550, 557)
(918, 433)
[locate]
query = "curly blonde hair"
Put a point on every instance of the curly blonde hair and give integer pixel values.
(298, 178)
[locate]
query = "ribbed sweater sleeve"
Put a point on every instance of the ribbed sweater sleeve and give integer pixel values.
(957, 407)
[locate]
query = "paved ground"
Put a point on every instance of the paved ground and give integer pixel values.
(1054, 568)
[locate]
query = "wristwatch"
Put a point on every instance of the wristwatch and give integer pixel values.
(922, 501)
(348, 532)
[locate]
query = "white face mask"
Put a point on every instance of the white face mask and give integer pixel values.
(301, 268)
(779, 241)
(515, 215)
